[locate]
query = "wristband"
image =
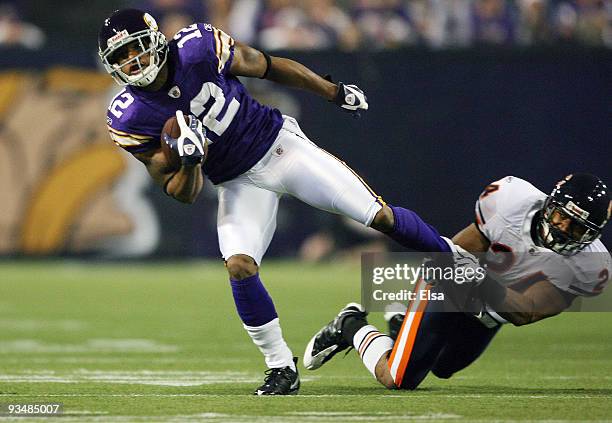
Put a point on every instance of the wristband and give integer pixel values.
(268, 65)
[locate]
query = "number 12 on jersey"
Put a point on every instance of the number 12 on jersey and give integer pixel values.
(209, 120)
(209, 89)
(187, 34)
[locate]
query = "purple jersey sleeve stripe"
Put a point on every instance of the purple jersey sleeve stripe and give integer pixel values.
(126, 134)
(217, 43)
(141, 148)
(223, 49)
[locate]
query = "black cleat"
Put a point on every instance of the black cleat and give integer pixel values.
(329, 341)
(395, 324)
(280, 381)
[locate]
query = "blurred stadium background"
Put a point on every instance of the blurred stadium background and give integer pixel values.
(462, 93)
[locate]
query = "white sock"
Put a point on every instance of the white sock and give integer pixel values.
(371, 344)
(269, 340)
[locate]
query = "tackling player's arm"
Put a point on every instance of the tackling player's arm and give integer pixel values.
(253, 63)
(539, 301)
(472, 239)
(183, 185)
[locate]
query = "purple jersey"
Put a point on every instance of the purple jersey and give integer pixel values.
(240, 130)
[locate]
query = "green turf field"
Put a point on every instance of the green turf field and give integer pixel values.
(143, 342)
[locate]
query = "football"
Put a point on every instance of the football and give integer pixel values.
(172, 129)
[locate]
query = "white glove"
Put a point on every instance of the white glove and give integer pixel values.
(466, 266)
(351, 98)
(191, 143)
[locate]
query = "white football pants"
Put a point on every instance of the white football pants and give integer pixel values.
(294, 165)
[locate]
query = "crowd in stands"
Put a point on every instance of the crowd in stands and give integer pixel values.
(382, 24)
(15, 32)
(367, 24)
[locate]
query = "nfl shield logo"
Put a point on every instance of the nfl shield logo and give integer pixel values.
(175, 92)
(190, 149)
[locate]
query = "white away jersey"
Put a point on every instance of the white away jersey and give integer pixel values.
(504, 212)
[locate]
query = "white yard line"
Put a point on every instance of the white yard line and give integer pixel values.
(122, 360)
(539, 377)
(123, 345)
(139, 377)
(22, 325)
(408, 395)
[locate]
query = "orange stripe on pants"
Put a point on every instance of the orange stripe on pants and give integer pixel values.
(414, 328)
(412, 322)
(399, 336)
(401, 331)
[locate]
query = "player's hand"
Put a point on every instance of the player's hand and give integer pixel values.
(191, 144)
(468, 266)
(351, 98)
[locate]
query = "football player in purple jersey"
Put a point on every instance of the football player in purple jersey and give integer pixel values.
(250, 152)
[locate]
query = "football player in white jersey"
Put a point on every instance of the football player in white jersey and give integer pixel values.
(541, 253)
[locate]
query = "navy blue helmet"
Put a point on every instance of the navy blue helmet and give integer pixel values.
(585, 200)
(132, 29)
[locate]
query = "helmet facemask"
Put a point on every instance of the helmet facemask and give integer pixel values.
(580, 231)
(149, 42)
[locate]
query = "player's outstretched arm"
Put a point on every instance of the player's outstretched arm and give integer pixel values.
(539, 301)
(253, 63)
(472, 240)
(183, 185)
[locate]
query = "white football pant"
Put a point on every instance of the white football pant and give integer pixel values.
(294, 165)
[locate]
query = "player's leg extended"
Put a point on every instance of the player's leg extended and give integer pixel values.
(424, 333)
(408, 229)
(246, 222)
(464, 346)
(401, 365)
(318, 178)
(349, 328)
